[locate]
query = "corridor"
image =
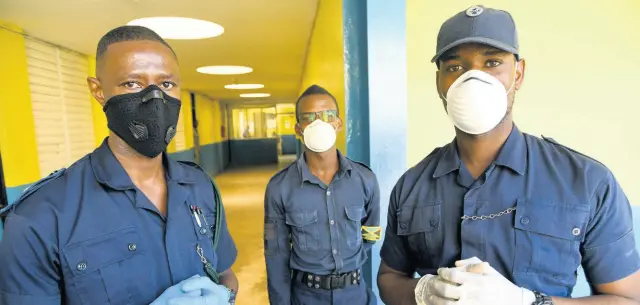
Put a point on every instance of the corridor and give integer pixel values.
(243, 196)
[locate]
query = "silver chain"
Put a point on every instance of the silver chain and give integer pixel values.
(490, 216)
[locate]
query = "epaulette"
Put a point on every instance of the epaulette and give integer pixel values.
(192, 164)
(32, 189)
(362, 163)
(433, 152)
(554, 142)
(285, 168)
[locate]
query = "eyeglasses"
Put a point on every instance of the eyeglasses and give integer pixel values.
(325, 116)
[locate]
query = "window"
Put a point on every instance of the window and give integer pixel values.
(61, 105)
(254, 123)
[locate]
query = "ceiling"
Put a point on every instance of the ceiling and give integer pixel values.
(269, 36)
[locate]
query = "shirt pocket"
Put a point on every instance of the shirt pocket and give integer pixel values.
(420, 225)
(548, 237)
(106, 269)
(353, 225)
(304, 229)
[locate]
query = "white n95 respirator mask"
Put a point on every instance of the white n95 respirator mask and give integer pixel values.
(319, 136)
(477, 102)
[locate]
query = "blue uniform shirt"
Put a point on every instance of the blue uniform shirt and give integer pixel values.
(316, 228)
(89, 236)
(569, 210)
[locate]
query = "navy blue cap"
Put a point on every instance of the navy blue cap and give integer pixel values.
(478, 24)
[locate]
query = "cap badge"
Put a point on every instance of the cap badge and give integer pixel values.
(474, 11)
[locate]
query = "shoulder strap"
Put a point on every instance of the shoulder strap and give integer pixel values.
(363, 164)
(32, 189)
(218, 200)
(554, 142)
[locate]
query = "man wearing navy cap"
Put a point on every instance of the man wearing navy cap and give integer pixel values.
(499, 216)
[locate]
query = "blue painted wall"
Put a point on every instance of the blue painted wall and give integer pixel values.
(288, 144)
(387, 100)
(214, 158)
(253, 152)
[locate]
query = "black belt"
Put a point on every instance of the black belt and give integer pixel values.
(327, 282)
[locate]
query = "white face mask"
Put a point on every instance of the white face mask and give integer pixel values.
(319, 136)
(477, 102)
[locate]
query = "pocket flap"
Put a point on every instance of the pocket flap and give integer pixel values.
(552, 219)
(96, 253)
(419, 218)
(354, 212)
(301, 218)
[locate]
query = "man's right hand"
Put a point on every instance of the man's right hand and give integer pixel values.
(177, 290)
(434, 290)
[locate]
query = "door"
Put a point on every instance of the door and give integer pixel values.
(3, 188)
(196, 138)
(3, 195)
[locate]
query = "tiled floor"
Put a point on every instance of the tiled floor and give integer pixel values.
(243, 196)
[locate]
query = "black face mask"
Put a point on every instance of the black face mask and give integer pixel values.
(145, 120)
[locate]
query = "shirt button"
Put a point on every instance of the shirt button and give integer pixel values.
(335, 251)
(82, 266)
(132, 247)
(525, 220)
(575, 231)
(332, 222)
(203, 231)
(328, 193)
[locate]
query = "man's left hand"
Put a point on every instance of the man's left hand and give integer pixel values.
(480, 284)
(212, 293)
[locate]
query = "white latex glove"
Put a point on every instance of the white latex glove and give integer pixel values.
(469, 261)
(433, 285)
(428, 285)
(480, 284)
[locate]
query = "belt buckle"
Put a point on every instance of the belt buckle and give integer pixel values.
(336, 281)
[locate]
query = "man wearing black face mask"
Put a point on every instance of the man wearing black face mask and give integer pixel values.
(125, 224)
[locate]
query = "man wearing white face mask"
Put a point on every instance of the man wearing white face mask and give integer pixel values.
(498, 216)
(322, 215)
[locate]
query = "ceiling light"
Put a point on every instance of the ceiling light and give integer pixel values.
(255, 95)
(180, 28)
(224, 70)
(244, 86)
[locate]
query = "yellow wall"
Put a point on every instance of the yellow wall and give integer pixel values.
(100, 128)
(325, 62)
(579, 83)
(17, 131)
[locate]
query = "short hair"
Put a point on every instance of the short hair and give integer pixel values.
(128, 33)
(314, 90)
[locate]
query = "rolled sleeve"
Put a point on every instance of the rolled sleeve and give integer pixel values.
(28, 260)
(394, 252)
(371, 221)
(226, 250)
(277, 249)
(609, 250)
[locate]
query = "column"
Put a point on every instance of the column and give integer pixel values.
(376, 97)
